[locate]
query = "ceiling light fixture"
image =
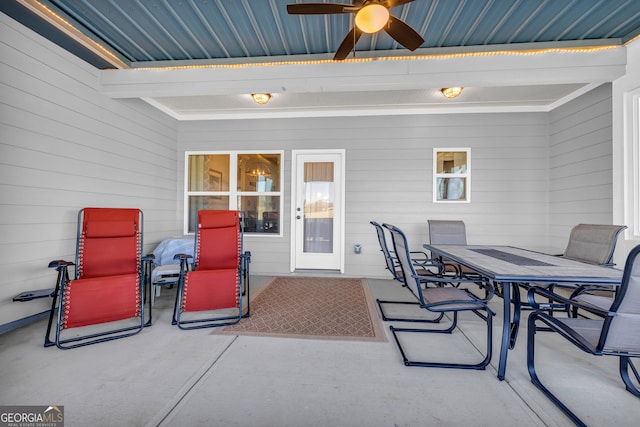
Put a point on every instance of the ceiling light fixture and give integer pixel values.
(258, 172)
(261, 98)
(451, 92)
(372, 18)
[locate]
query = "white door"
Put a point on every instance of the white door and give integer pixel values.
(318, 210)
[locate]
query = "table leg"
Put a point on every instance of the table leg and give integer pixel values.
(506, 330)
(517, 309)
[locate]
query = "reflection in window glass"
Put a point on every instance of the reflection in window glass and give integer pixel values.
(451, 189)
(452, 162)
(259, 172)
(197, 203)
(209, 172)
(319, 197)
(261, 213)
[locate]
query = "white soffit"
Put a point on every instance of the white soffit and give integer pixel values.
(421, 101)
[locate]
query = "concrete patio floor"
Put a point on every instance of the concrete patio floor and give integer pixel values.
(168, 377)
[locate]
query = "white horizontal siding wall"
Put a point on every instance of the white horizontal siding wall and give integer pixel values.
(64, 146)
(581, 175)
(389, 176)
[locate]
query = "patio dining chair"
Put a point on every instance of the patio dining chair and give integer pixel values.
(422, 264)
(594, 244)
(591, 244)
(450, 232)
(615, 334)
(210, 292)
(447, 232)
(443, 298)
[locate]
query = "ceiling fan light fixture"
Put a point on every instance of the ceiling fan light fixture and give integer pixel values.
(451, 92)
(372, 18)
(261, 98)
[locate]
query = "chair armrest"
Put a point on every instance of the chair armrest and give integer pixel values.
(183, 261)
(245, 258)
(31, 295)
(422, 259)
(60, 264)
(552, 296)
(482, 283)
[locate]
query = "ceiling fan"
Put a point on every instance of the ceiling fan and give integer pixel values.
(370, 16)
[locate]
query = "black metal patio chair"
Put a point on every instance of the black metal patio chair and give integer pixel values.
(443, 298)
(591, 244)
(595, 244)
(617, 333)
(451, 232)
(423, 265)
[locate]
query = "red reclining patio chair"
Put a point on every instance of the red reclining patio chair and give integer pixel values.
(108, 287)
(211, 293)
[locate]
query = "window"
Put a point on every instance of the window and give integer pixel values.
(246, 181)
(451, 175)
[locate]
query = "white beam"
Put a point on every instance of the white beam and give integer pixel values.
(555, 66)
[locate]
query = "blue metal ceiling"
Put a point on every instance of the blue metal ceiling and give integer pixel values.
(144, 31)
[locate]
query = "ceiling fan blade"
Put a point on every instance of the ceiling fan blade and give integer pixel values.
(403, 34)
(347, 44)
(317, 8)
(394, 3)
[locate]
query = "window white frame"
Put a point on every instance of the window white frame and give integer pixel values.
(635, 155)
(233, 192)
(466, 175)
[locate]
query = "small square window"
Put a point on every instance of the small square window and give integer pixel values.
(451, 175)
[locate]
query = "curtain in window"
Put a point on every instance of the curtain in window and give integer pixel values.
(318, 172)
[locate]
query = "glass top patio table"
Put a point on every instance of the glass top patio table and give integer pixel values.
(508, 265)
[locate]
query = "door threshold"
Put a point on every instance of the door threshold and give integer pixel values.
(306, 271)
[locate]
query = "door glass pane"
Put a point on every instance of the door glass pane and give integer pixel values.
(259, 172)
(197, 203)
(261, 213)
(319, 196)
(209, 172)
